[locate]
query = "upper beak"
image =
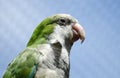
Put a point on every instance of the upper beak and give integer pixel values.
(79, 31)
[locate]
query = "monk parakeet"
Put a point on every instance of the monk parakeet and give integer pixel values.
(47, 52)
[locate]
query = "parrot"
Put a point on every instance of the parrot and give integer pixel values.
(47, 53)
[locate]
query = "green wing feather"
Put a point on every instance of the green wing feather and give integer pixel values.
(24, 66)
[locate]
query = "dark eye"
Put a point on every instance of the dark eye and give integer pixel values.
(62, 21)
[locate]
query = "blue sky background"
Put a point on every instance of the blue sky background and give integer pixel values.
(97, 57)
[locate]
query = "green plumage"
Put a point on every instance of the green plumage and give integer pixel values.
(41, 32)
(23, 65)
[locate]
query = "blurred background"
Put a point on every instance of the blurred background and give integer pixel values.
(97, 57)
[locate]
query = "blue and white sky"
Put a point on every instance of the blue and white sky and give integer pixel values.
(97, 57)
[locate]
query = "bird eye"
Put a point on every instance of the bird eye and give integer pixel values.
(62, 21)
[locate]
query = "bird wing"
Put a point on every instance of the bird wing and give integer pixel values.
(24, 65)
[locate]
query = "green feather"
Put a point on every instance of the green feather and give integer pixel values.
(32, 74)
(41, 32)
(23, 65)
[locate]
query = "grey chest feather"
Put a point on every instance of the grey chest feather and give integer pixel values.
(53, 61)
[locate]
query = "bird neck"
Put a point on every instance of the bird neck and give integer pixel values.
(58, 37)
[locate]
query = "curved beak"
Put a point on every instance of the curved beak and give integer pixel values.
(79, 32)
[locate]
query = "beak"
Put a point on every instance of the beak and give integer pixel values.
(79, 32)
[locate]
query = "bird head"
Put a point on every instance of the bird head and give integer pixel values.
(61, 27)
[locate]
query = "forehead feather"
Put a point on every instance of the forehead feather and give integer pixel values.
(66, 16)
